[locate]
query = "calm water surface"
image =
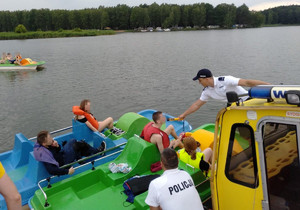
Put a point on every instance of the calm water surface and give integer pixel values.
(136, 71)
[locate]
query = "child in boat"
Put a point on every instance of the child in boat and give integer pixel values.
(48, 151)
(84, 115)
(190, 155)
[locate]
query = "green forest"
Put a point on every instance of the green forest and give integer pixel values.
(123, 17)
(282, 15)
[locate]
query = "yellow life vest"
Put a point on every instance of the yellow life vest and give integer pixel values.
(185, 157)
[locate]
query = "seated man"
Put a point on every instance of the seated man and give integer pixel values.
(48, 151)
(152, 133)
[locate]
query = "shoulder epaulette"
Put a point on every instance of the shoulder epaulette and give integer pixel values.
(221, 78)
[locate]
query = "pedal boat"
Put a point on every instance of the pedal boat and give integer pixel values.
(27, 173)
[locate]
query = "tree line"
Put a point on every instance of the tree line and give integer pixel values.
(282, 15)
(123, 17)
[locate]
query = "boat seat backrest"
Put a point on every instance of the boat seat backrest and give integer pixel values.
(139, 155)
(21, 149)
(36, 170)
(132, 123)
(81, 131)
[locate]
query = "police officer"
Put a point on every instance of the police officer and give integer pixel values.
(174, 189)
(216, 88)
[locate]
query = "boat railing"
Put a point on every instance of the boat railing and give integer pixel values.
(207, 179)
(193, 168)
(188, 165)
(94, 155)
(53, 132)
(81, 160)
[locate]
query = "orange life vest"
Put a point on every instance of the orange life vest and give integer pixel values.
(77, 111)
(24, 62)
(149, 130)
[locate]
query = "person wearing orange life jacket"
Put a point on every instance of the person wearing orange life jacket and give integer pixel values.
(18, 59)
(152, 133)
(84, 115)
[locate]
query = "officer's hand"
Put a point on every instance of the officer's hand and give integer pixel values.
(181, 117)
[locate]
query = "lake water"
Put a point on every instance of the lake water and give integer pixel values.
(136, 71)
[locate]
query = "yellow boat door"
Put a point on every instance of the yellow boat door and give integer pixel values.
(278, 142)
(236, 175)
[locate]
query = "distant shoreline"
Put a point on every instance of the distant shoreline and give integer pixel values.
(54, 34)
(82, 33)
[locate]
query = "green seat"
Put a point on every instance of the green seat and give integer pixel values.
(132, 123)
(138, 154)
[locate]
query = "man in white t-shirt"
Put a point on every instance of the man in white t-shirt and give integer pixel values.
(216, 88)
(175, 189)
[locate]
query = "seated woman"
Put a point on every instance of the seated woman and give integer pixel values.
(84, 115)
(189, 154)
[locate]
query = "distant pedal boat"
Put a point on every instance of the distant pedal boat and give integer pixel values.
(27, 64)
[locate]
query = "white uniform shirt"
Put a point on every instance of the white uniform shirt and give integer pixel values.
(174, 190)
(222, 85)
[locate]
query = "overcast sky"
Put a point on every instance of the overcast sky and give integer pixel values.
(81, 4)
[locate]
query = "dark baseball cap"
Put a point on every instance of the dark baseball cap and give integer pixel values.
(203, 73)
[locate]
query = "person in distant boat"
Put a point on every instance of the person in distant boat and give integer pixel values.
(190, 155)
(48, 151)
(3, 58)
(84, 115)
(9, 191)
(152, 133)
(174, 189)
(18, 59)
(10, 58)
(216, 88)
